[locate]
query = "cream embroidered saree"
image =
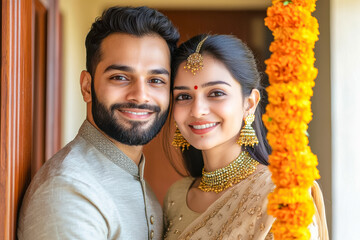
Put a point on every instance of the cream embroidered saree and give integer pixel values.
(238, 214)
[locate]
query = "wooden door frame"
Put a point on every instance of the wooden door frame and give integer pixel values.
(39, 85)
(16, 102)
(53, 76)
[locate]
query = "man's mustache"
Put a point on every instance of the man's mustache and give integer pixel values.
(152, 108)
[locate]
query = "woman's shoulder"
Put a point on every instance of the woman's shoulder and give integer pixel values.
(181, 185)
(178, 189)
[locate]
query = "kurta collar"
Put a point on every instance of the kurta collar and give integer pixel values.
(109, 149)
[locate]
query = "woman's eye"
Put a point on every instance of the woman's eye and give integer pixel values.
(118, 78)
(217, 94)
(183, 97)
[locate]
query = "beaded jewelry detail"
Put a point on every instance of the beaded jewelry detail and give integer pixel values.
(179, 140)
(219, 180)
(194, 62)
(247, 133)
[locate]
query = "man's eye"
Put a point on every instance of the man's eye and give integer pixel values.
(119, 78)
(217, 94)
(182, 97)
(156, 81)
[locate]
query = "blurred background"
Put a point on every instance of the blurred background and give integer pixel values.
(58, 29)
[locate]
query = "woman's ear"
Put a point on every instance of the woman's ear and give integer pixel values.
(252, 102)
(85, 85)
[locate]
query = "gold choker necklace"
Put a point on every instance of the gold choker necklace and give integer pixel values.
(223, 178)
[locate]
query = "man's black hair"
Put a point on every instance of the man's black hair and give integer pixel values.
(137, 21)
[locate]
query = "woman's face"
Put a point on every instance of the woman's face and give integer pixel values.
(209, 106)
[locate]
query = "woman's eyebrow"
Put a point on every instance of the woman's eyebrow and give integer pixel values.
(181, 88)
(208, 84)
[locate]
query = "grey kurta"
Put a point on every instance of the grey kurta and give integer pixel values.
(90, 190)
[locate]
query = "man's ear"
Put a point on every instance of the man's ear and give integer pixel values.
(85, 85)
(252, 102)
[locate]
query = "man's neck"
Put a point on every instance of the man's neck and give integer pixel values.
(133, 152)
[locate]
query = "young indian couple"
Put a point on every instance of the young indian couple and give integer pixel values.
(136, 75)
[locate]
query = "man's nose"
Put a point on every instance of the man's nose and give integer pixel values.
(138, 92)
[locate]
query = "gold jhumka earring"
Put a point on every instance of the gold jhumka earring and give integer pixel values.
(247, 133)
(179, 140)
(194, 62)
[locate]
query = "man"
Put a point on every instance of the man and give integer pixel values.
(94, 187)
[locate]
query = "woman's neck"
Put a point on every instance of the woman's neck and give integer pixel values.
(220, 156)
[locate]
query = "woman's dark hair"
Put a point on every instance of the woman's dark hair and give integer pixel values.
(137, 21)
(240, 62)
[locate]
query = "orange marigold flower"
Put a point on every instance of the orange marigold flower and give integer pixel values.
(309, 5)
(302, 34)
(293, 168)
(298, 213)
(291, 74)
(292, 15)
(282, 230)
(289, 195)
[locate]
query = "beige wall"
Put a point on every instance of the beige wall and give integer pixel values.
(320, 126)
(345, 75)
(77, 17)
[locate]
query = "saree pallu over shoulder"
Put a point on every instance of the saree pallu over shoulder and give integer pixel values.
(239, 214)
(319, 224)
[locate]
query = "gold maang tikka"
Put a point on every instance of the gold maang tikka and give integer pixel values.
(194, 62)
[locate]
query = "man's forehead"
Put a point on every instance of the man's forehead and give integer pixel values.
(150, 51)
(125, 41)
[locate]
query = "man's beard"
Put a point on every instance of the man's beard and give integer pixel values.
(135, 134)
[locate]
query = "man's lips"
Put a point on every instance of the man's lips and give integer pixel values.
(136, 114)
(202, 127)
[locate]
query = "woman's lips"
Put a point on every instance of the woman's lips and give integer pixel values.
(202, 127)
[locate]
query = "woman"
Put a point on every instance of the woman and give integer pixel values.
(216, 87)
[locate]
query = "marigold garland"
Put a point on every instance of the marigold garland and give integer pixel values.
(291, 74)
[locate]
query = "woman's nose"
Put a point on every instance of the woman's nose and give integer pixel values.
(199, 108)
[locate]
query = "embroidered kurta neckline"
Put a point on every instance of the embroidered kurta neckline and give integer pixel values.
(109, 149)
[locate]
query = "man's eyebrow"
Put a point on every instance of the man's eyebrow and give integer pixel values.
(208, 84)
(119, 67)
(159, 71)
(131, 70)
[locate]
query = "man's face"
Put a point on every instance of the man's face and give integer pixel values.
(131, 86)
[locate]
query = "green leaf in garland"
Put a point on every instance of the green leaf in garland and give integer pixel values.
(269, 119)
(286, 2)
